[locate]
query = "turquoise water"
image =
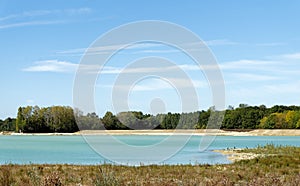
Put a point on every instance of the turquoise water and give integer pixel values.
(75, 150)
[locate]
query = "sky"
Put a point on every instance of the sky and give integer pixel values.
(256, 44)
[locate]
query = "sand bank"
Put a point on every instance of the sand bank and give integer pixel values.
(199, 132)
(234, 155)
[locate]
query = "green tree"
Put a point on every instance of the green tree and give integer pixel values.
(274, 121)
(110, 121)
(8, 124)
(203, 119)
(292, 118)
(263, 123)
(20, 120)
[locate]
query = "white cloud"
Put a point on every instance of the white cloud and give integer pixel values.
(152, 47)
(253, 77)
(281, 65)
(220, 42)
(64, 66)
(109, 48)
(52, 66)
(30, 23)
(75, 11)
(156, 84)
(292, 56)
(26, 14)
(284, 88)
(171, 68)
(153, 85)
(38, 13)
(278, 68)
(37, 17)
(146, 47)
(249, 64)
(92, 50)
(271, 44)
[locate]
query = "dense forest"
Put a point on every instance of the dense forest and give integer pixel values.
(67, 119)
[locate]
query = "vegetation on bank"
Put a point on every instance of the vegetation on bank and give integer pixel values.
(67, 119)
(279, 166)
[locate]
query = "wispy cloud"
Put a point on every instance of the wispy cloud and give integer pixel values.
(156, 84)
(220, 42)
(40, 17)
(77, 11)
(254, 77)
(158, 48)
(278, 69)
(148, 47)
(271, 44)
(69, 67)
(64, 66)
(292, 56)
(52, 66)
(92, 50)
(283, 63)
(249, 64)
(26, 14)
(31, 23)
(285, 88)
(172, 68)
(38, 13)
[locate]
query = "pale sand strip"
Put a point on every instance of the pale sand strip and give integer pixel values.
(199, 132)
(235, 155)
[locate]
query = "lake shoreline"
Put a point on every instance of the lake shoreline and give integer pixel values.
(198, 132)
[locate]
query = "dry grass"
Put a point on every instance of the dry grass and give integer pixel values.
(282, 168)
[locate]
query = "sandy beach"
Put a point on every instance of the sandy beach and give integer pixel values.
(234, 155)
(199, 132)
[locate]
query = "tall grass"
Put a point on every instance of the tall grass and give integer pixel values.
(280, 166)
(6, 175)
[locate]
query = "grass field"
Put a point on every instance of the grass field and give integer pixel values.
(276, 166)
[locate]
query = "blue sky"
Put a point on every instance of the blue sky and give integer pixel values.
(256, 43)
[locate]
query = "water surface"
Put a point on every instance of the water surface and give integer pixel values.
(75, 150)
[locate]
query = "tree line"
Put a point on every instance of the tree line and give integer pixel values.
(67, 119)
(47, 119)
(261, 117)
